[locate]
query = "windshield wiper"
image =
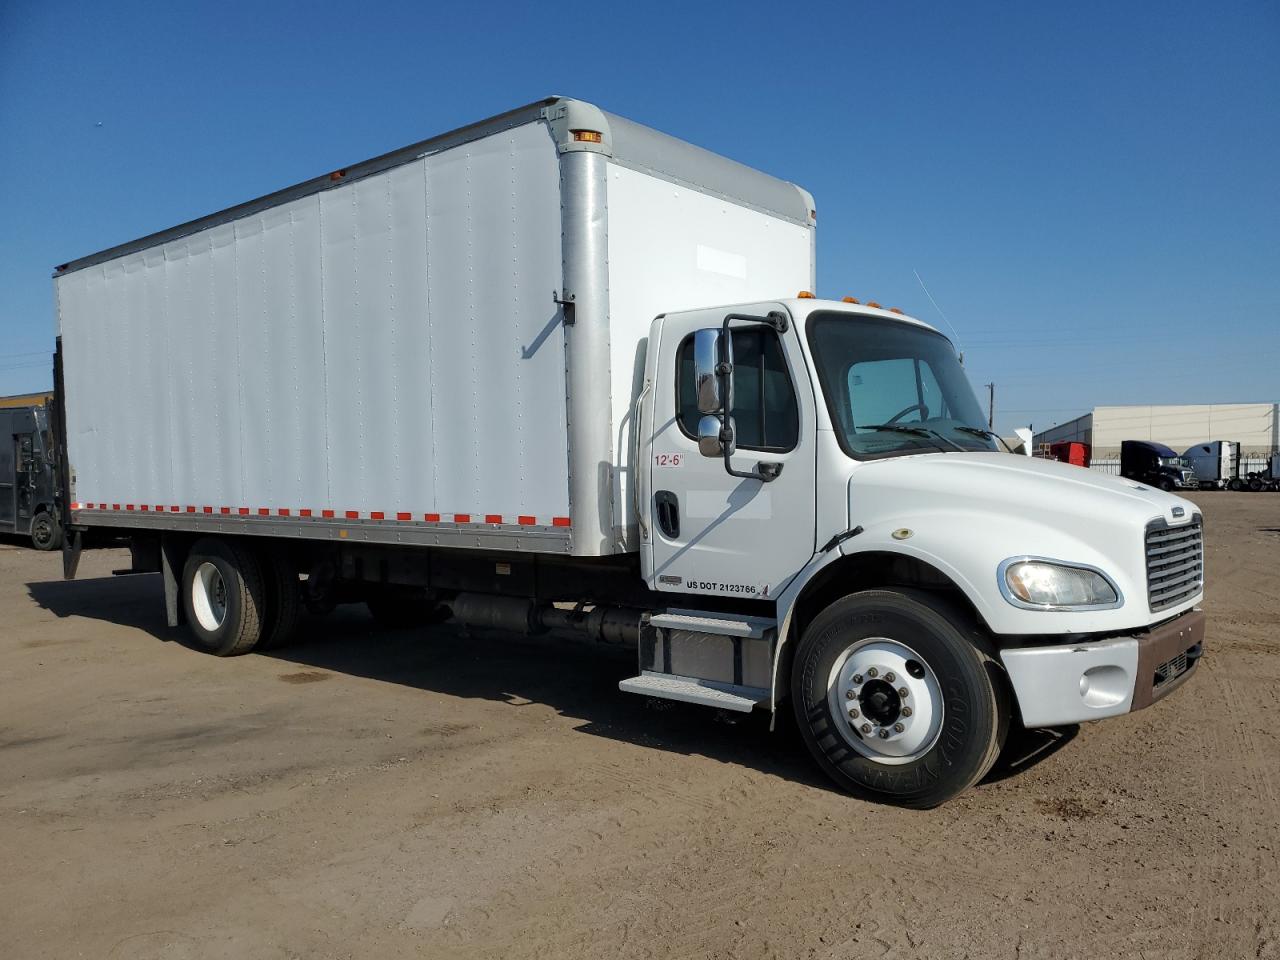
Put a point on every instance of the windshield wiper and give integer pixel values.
(982, 432)
(916, 431)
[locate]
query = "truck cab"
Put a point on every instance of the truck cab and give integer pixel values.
(1156, 465)
(28, 499)
(820, 474)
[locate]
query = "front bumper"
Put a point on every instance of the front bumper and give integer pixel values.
(1104, 678)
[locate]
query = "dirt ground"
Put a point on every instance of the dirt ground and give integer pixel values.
(379, 794)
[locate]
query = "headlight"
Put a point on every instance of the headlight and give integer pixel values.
(1046, 585)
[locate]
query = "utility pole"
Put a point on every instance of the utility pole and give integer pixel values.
(991, 405)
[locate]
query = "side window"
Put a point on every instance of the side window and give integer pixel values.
(764, 401)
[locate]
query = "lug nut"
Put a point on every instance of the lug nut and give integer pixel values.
(857, 678)
(853, 712)
(903, 691)
(889, 677)
(848, 694)
(866, 728)
(906, 711)
(873, 672)
(898, 728)
(884, 734)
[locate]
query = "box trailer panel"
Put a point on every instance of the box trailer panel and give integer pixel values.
(387, 347)
(672, 246)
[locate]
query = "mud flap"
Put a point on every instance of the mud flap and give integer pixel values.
(172, 557)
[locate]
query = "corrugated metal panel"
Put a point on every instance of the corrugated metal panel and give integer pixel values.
(389, 345)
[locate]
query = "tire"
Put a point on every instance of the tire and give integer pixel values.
(1255, 484)
(954, 731)
(284, 603)
(1235, 485)
(399, 608)
(223, 597)
(46, 532)
(1166, 485)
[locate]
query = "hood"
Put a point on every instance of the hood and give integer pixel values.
(965, 513)
(1024, 485)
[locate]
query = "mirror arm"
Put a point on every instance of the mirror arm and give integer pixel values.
(765, 471)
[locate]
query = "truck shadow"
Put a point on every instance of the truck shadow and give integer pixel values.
(576, 678)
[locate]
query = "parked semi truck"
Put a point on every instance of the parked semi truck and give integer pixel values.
(551, 371)
(1156, 465)
(29, 504)
(1216, 464)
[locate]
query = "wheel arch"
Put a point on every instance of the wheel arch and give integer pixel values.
(852, 573)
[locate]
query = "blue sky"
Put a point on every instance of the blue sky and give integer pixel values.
(1090, 191)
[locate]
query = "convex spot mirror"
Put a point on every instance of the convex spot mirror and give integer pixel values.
(714, 436)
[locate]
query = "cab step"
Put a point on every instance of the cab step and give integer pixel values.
(725, 625)
(707, 693)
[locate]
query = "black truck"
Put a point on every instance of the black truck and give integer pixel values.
(1156, 465)
(29, 504)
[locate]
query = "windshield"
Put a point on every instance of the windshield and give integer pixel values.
(893, 387)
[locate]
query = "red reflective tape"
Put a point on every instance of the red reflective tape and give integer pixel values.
(179, 509)
(282, 512)
(224, 510)
(560, 521)
(115, 506)
(493, 518)
(353, 514)
(528, 521)
(328, 514)
(103, 506)
(145, 507)
(304, 513)
(207, 509)
(377, 515)
(244, 511)
(264, 512)
(404, 516)
(191, 509)
(462, 518)
(431, 517)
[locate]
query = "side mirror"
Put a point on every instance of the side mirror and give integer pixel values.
(713, 385)
(715, 438)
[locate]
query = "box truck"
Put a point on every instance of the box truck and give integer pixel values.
(557, 370)
(29, 505)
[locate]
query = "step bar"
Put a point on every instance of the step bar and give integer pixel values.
(706, 693)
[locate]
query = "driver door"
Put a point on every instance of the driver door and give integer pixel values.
(710, 532)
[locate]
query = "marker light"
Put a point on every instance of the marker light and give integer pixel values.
(872, 303)
(897, 311)
(850, 300)
(806, 295)
(337, 175)
(588, 136)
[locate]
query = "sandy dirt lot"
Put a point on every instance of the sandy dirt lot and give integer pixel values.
(393, 794)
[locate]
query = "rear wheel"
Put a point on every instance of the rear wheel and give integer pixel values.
(1256, 484)
(46, 533)
(284, 601)
(223, 597)
(1235, 484)
(898, 699)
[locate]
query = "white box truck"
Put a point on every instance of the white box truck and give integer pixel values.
(551, 371)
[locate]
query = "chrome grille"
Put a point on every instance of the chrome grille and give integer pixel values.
(1175, 562)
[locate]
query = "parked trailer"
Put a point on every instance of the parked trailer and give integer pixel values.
(1268, 479)
(29, 505)
(1071, 451)
(1217, 464)
(536, 373)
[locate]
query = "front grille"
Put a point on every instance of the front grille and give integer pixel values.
(1175, 562)
(1171, 670)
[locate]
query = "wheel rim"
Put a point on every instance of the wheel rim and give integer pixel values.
(209, 596)
(886, 700)
(42, 531)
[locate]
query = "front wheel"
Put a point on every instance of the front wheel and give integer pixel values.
(897, 698)
(46, 534)
(1166, 485)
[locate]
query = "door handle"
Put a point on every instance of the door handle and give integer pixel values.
(667, 507)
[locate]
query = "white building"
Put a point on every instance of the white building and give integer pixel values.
(1256, 426)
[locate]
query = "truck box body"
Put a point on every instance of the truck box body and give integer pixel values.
(438, 346)
(1071, 451)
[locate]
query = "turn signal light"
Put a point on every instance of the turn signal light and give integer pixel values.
(806, 295)
(850, 300)
(587, 136)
